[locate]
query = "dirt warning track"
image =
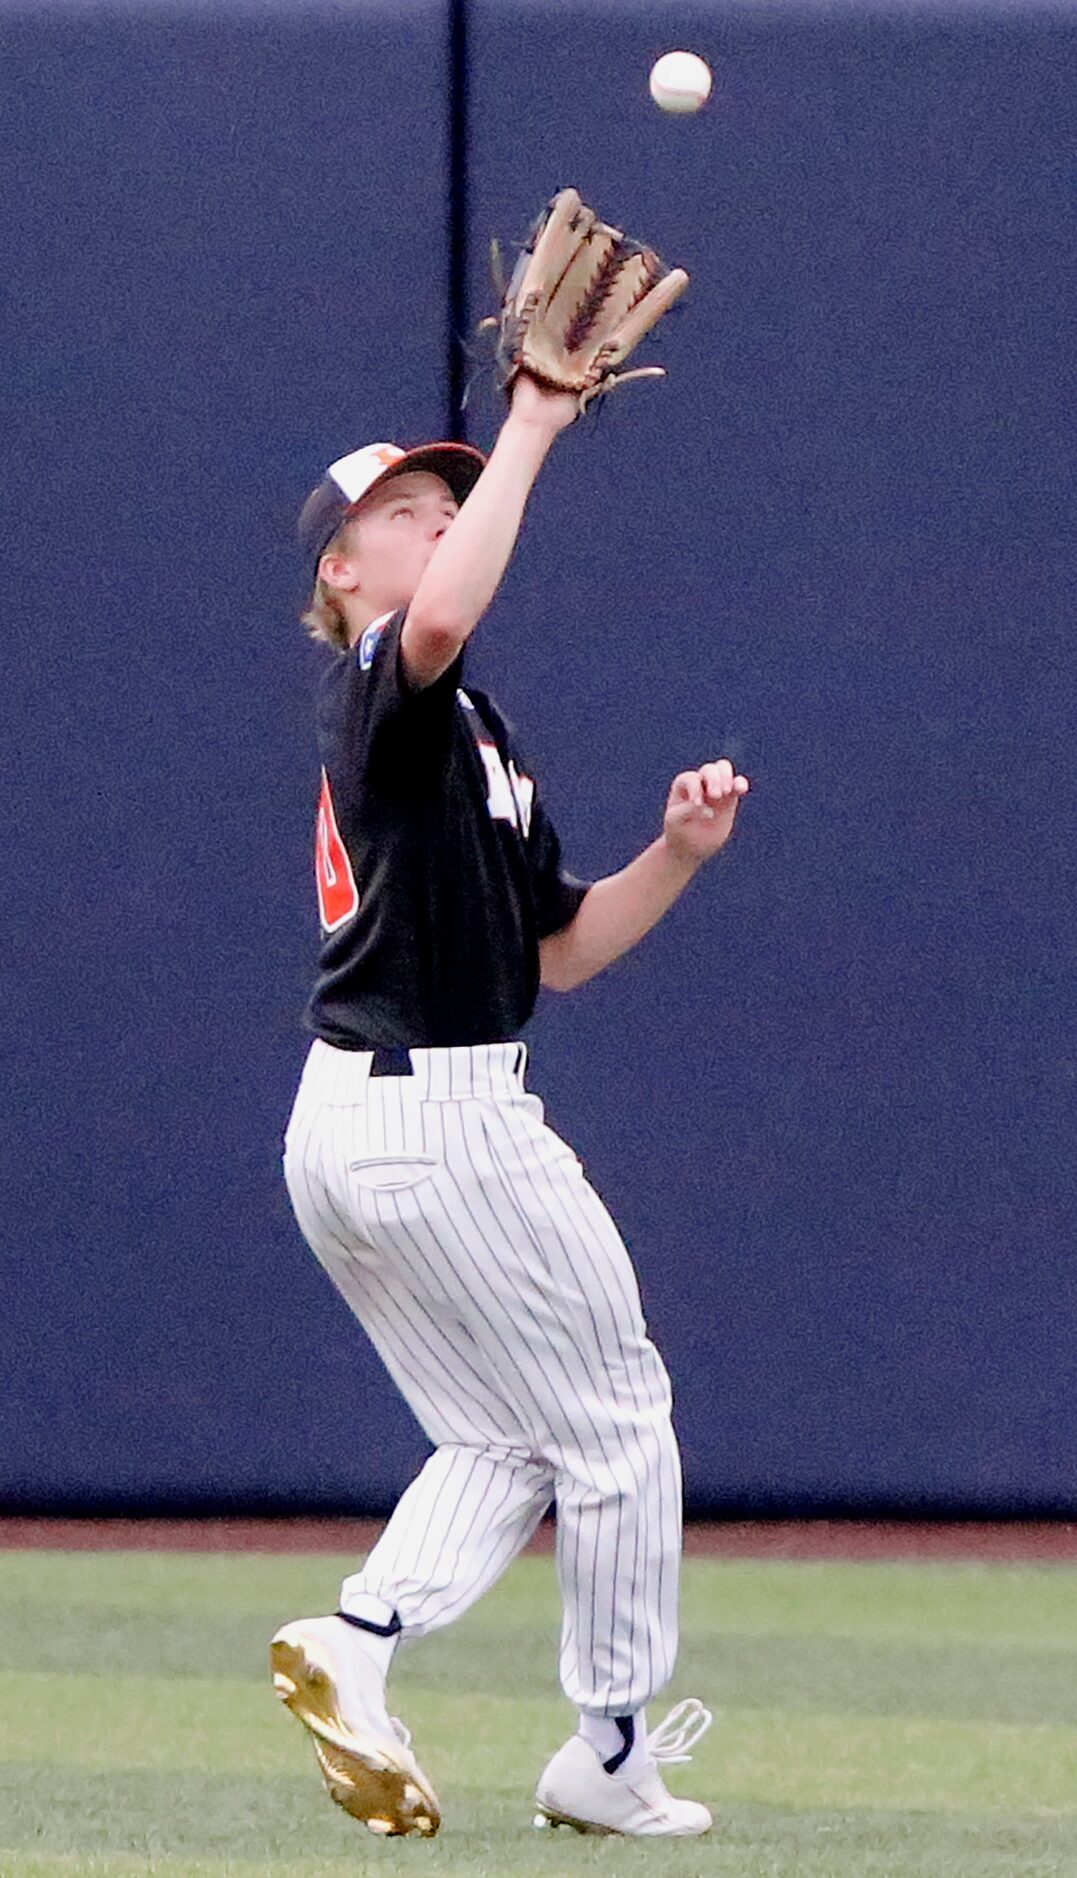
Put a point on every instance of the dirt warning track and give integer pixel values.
(988, 1542)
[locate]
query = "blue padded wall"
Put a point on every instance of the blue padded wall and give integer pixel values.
(210, 244)
(831, 1099)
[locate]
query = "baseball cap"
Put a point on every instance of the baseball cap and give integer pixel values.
(353, 476)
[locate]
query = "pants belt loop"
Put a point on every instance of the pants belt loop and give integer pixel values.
(390, 1059)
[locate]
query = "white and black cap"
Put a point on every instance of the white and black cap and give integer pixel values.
(352, 477)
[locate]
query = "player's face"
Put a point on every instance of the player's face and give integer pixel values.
(396, 529)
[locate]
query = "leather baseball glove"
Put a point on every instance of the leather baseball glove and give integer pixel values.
(581, 297)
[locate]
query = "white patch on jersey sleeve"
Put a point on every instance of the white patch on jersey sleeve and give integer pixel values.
(509, 796)
(368, 644)
(523, 790)
(500, 799)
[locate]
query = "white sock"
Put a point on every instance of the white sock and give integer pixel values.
(609, 1736)
(372, 1634)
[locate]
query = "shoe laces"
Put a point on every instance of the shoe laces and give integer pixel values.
(671, 1742)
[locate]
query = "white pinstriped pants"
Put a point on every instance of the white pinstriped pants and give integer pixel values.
(499, 1294)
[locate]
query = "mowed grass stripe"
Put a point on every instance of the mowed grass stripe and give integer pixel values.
(175, 1825)
(843, 1763)
(1029, 1607)
(224, 1725)
(990, 1605)
(955, 1682)
(774, 1756)
(735, 1653)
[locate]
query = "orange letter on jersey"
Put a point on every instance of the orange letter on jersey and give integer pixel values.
(338, 896)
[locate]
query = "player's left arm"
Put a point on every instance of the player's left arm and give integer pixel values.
(616, 912)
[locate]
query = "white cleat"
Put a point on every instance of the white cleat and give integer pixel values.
(323, 1674)
(575, 1789)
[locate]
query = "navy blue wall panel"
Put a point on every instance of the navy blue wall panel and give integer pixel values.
(832, 1099)
(209, 228)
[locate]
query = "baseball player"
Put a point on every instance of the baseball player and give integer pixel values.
(458, 1227)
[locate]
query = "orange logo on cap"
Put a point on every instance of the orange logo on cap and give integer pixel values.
(387, 455)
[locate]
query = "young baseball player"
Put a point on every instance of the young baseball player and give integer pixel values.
(458, 1227)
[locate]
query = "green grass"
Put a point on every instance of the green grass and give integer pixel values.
(874, 1721)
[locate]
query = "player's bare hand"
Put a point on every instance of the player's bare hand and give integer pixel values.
(533, 403)
(702, 808)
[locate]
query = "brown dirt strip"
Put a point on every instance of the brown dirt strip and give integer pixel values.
(975, 1541)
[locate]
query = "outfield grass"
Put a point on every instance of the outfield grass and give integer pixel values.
(874, 1721)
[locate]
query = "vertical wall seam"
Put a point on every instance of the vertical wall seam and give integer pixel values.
(456, 360)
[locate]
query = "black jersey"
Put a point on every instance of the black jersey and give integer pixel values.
(437, 869)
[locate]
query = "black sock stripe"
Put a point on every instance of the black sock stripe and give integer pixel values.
(379, 1630)
(627, 1727)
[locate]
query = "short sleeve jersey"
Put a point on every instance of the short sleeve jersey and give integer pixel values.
(438, 870)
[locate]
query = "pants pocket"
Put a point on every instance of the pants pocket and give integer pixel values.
(393, 1173)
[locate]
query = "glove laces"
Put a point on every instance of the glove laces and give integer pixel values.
(683, 1727)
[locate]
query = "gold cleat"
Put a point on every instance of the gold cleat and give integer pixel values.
(374, 1777)
(550, 1821)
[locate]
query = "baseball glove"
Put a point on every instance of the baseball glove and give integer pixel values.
(581, 297)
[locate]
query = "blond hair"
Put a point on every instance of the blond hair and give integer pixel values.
(324, 616)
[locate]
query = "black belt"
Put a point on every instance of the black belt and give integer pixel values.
(391, 1059)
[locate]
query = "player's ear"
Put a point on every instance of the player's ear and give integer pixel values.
(338, 569)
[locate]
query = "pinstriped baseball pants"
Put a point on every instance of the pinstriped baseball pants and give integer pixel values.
(484, 1268)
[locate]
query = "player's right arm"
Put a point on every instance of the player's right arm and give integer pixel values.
(467, 565)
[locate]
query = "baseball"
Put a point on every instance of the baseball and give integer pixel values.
(680, 81)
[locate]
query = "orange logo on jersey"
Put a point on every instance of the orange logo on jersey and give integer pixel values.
(338, 895)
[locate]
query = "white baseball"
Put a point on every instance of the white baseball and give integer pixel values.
(680, 81)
